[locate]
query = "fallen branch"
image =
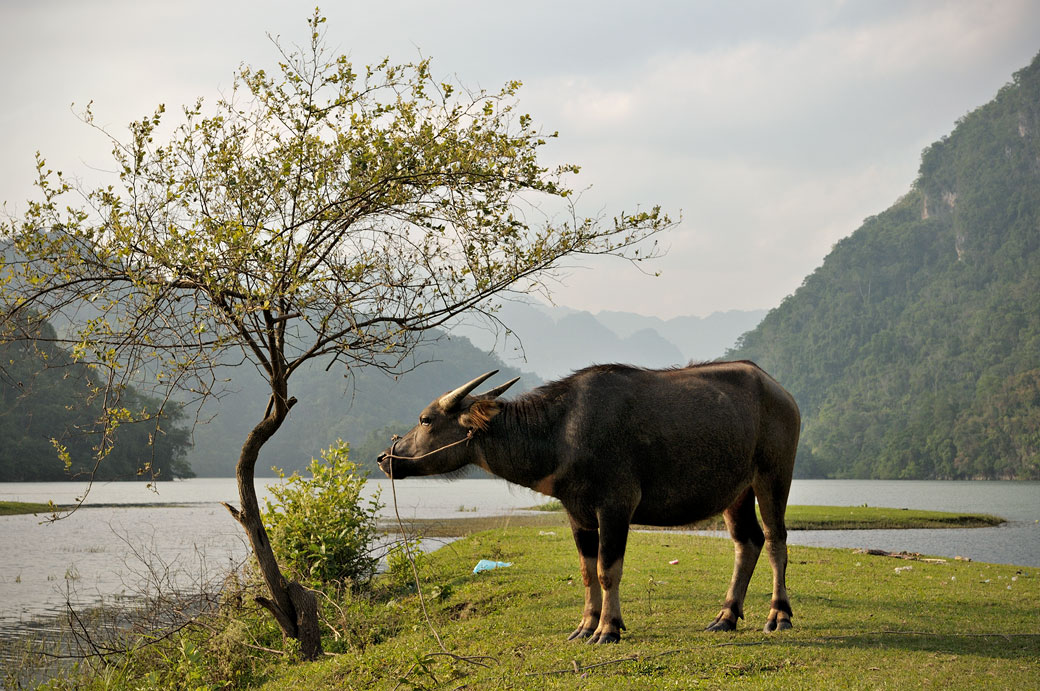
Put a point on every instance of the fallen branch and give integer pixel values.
(912, 556)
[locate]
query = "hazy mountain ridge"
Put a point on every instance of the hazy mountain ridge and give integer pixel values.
(554, 341)
(364, 409)
(914, 350)
(699, 338)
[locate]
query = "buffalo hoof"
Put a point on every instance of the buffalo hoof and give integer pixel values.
(777, 625)
(606, 637)
(580, 633)
(721, 623)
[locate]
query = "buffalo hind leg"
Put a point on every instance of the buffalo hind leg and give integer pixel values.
(772, 502)
(613, 536)
(587, 542)
(747, 544)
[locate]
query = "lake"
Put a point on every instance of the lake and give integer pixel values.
(181, 535)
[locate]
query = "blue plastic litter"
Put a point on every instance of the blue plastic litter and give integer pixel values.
(487, 565)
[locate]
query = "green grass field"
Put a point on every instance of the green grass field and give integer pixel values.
(861, 621)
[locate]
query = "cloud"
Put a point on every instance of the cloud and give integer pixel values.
(775, 127)
(773, 82)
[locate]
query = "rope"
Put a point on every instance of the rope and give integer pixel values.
(408, 553)
(396, 439)
(471, 659)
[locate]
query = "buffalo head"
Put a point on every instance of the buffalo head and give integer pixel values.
(440, 442)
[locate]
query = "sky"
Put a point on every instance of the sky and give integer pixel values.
(772, 128)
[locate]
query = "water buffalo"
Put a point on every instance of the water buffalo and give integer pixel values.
(619, 445)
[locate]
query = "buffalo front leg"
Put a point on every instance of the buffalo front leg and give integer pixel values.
(747, 545)
(587, 542)
(613, 536)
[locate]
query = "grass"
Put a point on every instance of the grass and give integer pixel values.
(550, 516)
(861, 621)
(877, 518)
(12, 508)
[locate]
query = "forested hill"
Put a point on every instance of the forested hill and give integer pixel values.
(43, 397)
(914, 350)
(45, 400)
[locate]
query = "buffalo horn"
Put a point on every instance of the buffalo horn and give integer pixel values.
(452, 399)
(498, 390)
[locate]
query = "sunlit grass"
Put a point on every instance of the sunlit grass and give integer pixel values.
(861, 621)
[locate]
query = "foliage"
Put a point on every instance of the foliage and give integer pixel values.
(400, 576)
(322, 528)
(913, 350)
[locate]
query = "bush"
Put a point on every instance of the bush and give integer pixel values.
(320, 528)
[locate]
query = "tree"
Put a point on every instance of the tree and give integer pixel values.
(317, 212)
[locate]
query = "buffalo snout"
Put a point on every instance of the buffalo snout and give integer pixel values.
(384, 462)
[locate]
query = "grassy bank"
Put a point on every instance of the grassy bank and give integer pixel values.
(880, 518)
(550, 516)
(12, 508)
(861, 621)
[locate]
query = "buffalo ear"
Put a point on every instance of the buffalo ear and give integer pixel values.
(479, 414)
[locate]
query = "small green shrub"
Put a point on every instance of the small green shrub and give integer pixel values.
(399, 574)
(321, 528)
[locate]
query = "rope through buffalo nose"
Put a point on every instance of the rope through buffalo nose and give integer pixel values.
(395, 439)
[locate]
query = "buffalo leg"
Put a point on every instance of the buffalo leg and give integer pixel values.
(747, 544)
(772, 502)
(613, 536)
(587, 542)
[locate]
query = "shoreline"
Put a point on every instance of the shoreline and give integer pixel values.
(807, 518)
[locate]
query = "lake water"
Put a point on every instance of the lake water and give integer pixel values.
(180, 535)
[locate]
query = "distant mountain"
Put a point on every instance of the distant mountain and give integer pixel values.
(699, 338)
(45, 399)
(364, 410)
(554, 341)
(914, 350)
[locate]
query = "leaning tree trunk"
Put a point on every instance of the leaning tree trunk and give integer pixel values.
(294, 607)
